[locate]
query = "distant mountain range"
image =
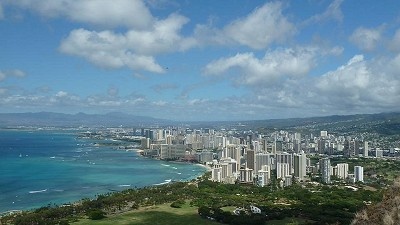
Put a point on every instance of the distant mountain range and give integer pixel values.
(383, 123)
(79, 119)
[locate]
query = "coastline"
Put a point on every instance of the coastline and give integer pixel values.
(78, 154)
(174, 161)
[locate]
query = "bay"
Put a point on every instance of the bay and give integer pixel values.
(40, 168)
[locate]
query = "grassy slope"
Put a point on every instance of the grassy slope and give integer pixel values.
(154, 215)
(166, 215)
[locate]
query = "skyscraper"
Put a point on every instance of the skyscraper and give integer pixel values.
(365, 149)
(285, 158)
(261, 160)
(264, 175)
(325, 167)
(300, 166)
(250, 159)
(342, 170)
(359, 173)
(282, 170)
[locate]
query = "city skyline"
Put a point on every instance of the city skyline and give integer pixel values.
(208, 60)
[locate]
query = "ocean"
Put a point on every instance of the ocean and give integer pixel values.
(40, 168)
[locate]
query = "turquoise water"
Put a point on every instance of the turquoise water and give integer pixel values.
(38, 168)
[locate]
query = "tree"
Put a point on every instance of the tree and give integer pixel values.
(96, 214)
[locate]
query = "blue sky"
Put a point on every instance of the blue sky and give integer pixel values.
(200, 60)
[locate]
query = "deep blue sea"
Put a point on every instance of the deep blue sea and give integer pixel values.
(38, 168)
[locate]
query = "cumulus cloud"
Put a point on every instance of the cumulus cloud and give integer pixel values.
(265, 25)
(394, 44)
(260, 28)
(358, 86)
(362, 83)
(11, 73)
(332, 12)
(267, 70)
(117, 13)
(165, 86)
(133, 49)
(365, 38)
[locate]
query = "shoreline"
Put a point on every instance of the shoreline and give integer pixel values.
(174, 161)
(197, 172)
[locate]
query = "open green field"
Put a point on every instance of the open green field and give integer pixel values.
(153, 215)
(166, 215)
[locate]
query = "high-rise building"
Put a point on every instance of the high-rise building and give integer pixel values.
(321, 146)
(366, 149)
(342, 170)
(282, 170)
(324, 133)
(359, 173)
(325, 167)
(234, 152)
(285, 158)
(300, 166)
(206, 156)
(246, 175)
(264, 175)
(297, 136)
(261, 160)
(297, 146)
(250, 159)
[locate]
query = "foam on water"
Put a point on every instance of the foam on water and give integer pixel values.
(56, 167)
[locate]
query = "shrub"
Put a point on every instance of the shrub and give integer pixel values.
(96, 214)
(177, 204)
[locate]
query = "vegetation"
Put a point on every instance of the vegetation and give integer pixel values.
(96, 214)
(377, 172)
(386, 212)
(161, 214)
(207, 199)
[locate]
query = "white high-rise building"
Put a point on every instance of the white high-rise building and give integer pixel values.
(342, 170)
(359, 173)
(285, 157)
(282, 170)
(264, 175)
(234, 152)
(246, 175)
(324, 133)
(366, 149)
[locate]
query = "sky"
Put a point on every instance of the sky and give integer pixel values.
(200, 60)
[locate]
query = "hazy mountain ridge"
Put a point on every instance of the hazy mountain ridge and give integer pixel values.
(384, 123)
(79, 119)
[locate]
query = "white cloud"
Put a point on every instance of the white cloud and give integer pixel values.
(160, 103)
(61, 94)
(260, 28)
(362, 83)
(332, 12)
(196, 101)
(11, 73)
(164, 86)
(3, 91)
(1, 12)
(267, 70)
(133, 49)
(2, 76)
(117, 13)
(394, 44)
(366, 39)
(265, 25)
